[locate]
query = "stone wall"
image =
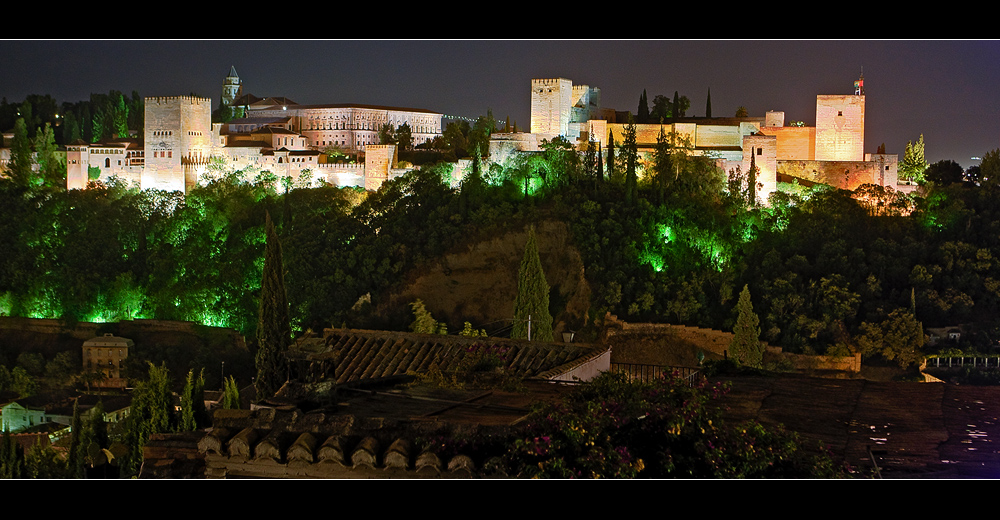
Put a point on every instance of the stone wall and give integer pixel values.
(795, 143)
(846, 175)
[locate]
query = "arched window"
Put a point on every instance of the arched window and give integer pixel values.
(107, 162)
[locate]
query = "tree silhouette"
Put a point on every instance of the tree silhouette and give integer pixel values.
(273, 329)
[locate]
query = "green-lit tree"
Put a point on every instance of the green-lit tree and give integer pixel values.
(913, 165)
(187, 419)
(151, 412)
(746, 347)
(231, 395)
(273, 329)
(51, 171)
(532, 301)
(20, 155)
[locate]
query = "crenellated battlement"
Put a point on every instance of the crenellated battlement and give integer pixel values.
(193, 100)
(543, 82)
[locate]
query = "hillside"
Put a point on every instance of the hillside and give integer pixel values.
(478, 284)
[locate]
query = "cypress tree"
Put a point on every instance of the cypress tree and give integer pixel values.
(708, 104)
(746, 347)
(677, 105)
(752, 182)
(98, 431)
(532, 296)
(74, 460)
(600, 165)
(274, 329)
(20, 155)
(630, 153)
(231, 397)
(187, 404)
(642, 114)
(611, 155)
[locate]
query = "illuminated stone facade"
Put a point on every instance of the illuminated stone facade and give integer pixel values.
(178, 139)
(350, 127)
(840, 128)
(831, 152)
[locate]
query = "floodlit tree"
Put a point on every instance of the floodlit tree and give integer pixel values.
(274, 328)
(231, 395)
(746, 347)
(532, 296)
(20, 155)
(151, 412)
(741, 112)
(913, 165)
(423, 322)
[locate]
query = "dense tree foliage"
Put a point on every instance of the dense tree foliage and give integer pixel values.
(616, 428)
(673, 243)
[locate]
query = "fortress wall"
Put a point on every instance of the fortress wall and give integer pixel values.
(718, 135)
(795, 143)
(846, 175)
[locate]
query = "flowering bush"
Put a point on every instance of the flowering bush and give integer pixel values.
(616, 428)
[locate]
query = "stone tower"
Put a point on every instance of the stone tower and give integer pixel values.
(551, 106)
(232, 88)
(840, 127)
(178, 136)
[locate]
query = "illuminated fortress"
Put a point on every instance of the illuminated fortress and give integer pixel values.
(277, 135)
(831, 153)
(180, 142)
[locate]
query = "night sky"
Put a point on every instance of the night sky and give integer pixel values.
(945, 90)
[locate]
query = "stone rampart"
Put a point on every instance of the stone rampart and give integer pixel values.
(846, 175)
(715, 344)
(795, 143)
